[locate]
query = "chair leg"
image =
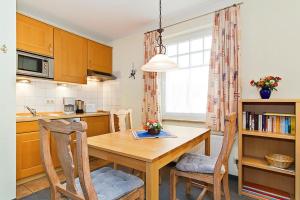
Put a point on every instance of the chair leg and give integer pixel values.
(173, 183)
(217, 190)
(188, 186)
(142, 194)
(226, 186)
(115, 166)
(54, 194)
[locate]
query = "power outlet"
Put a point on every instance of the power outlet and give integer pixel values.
(50, 101)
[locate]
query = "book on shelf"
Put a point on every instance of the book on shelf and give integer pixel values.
(265, 192)
(269, 122)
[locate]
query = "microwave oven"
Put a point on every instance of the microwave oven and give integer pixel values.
(29, 64)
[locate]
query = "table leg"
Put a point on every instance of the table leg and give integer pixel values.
(207, 145)
(152, 182)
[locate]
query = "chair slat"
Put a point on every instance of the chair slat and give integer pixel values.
(63, 146)
(119, 120)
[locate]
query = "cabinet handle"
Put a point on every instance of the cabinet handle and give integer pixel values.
(50, 47)
(3, 48)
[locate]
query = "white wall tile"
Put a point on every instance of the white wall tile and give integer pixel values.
(105, 95)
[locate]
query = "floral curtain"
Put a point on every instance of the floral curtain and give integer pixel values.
(151, 101)
(224, 85)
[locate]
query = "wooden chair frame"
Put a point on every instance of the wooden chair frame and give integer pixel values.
(210, 182)
(62, 131)
(121, 114)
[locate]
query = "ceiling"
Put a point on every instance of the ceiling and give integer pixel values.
(107, 20)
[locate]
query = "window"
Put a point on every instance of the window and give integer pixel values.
(184, 91)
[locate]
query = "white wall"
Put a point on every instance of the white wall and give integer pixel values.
(7, 100)
(270, 45)
(125, 52)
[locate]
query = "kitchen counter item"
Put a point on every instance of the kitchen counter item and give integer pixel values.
(69, 105)
(79, 104)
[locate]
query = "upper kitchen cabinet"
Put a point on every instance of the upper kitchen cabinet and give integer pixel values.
(70, 55)
(34, 36)
(99, 57)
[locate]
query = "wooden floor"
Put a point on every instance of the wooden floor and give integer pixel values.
(39, 184)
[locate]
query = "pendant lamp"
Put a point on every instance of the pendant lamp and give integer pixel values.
(160, 62)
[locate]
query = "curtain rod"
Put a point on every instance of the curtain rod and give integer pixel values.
(236, 4)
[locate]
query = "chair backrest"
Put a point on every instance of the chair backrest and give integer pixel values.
(228, 140)
(62, 131)
(120, 120)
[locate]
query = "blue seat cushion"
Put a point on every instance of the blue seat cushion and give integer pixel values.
(112, 184)
(198, 163)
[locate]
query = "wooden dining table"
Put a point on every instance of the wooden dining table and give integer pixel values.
(148, 155)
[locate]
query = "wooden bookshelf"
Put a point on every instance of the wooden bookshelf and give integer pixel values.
(254, 145)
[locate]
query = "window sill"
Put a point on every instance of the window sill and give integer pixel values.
(189, 123)
(184, 120)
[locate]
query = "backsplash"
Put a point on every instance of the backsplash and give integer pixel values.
(47, 96)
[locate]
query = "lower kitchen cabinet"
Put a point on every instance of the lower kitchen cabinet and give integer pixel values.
(97, 125)
(28, 155)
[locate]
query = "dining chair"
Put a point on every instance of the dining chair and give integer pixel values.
(104, 183)
(205, 171)
(120, 120)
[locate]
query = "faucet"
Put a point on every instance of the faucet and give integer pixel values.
(31, 110)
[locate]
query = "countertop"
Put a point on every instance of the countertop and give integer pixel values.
(27, 117)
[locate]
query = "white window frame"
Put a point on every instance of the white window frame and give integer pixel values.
(199, 117)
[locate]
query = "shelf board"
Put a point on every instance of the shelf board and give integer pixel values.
(280, 114)
(269, 135)
(262, 164)
(270, 100)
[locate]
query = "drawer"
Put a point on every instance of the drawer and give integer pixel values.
(25, 127)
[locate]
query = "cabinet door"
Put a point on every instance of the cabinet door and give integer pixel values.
(70, 55)
(34, 36)
(28, 155)
(97, 125)
(99, 57)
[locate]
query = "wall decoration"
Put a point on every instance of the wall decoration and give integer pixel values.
(132, 71)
